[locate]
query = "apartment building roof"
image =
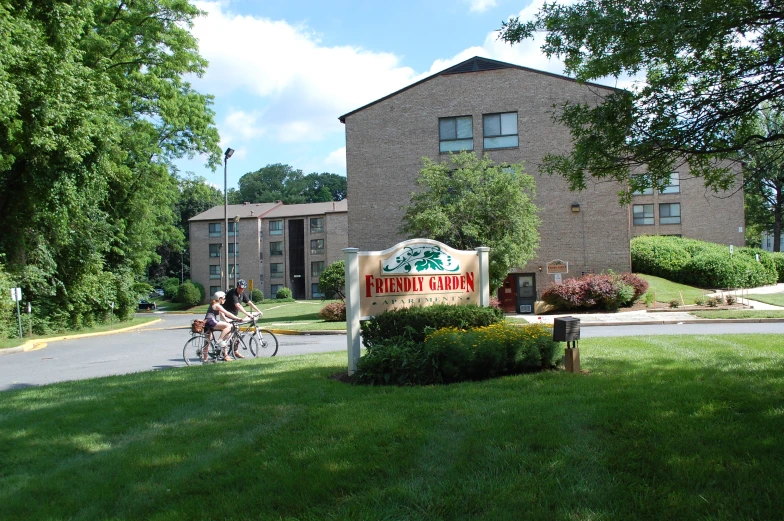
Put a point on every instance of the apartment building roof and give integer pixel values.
(295, 210)
(475, 64)
(245, 211)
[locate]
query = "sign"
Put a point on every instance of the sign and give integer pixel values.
(557, 266)
(731, 249)
(250, 284)
(16, 294)
(557, 278)
(418, 272)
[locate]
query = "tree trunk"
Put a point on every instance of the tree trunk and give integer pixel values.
(777, 219)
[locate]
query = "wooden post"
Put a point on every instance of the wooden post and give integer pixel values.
(572, 359)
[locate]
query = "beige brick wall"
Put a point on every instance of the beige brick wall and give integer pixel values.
(386, 141)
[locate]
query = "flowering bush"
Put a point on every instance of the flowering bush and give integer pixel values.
(607, 291)
(334, 312)
(452, 355)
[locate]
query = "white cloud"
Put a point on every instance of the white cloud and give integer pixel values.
(337, 158)
(301, 86)
(481, 6)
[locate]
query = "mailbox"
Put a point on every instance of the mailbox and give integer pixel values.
(566, 329)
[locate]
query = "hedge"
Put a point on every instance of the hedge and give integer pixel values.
(704, 264)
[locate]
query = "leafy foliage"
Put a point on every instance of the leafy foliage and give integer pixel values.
(332, 281)
(707, 67)
(334, 312)
(467, 202)
(606, 291)
(283, 293)
(702, 264)
(413, 323)
(93, 110)
(451, 355)
(280, 182)
(188, 294)
(257, 296)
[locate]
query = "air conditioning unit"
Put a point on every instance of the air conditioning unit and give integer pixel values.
(525, 309)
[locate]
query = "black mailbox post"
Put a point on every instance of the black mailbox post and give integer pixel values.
(567, 329)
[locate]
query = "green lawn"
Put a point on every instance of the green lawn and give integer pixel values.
(774, 299)
(13, 342)
(667, 427)
(666, 291)
(739, 313)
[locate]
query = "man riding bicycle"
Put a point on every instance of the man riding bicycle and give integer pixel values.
(235, 299)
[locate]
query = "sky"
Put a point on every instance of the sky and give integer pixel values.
(282, 72)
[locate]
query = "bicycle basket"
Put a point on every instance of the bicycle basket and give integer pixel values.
(197, 326)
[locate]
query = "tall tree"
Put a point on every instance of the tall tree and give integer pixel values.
(284, 183)
(468, 202)
(93, 109)
(708, 65)
(763, 177)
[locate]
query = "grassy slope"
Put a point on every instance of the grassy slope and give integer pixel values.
(665, 290)
(662, 427)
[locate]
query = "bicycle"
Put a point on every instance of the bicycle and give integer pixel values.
(194, 349)
(262, 342)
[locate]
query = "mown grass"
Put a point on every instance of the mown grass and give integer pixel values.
(662, 428)
(739, 313)
(665, 291)
(774, 299)
(136, 321)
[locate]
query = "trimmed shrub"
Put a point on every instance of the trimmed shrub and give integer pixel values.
(778, 262)
(453, 355)
(607, 291)
(283, 293)
(415, 322)
(257, 296)
(202, 291)
(334, 312)
(703, 264)
(188, 294)
(170, 287)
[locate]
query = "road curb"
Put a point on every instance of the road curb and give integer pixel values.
(31, 344)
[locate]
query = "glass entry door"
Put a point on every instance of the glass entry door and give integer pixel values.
(526, 292)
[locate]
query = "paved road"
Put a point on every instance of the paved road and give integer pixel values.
(159, 346)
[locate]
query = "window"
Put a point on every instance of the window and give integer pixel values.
(234, 250)
(500, 130)
(213, 289)
(276, 227)
(317, 246)
(315, 292)
(455, 134)
(274, 289)
(234, 228)
(670, 213)
(276, 248)
(215, 250)
(231, 270)
(316, 268)
(276, 270)
(643, 214)
(644, 191)
(675, 185)
(317, 225)
(215, 229)
(215, 271)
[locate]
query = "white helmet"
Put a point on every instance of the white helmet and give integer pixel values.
(218, 295)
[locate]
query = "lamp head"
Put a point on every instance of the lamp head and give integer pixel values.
(229, 152)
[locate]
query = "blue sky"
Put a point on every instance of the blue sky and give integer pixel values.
(282, 72)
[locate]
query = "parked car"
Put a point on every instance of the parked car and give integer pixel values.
(145, 305)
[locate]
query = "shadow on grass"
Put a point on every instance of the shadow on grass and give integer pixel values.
(681, 433)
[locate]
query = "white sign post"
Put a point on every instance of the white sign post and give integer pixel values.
(16, 296)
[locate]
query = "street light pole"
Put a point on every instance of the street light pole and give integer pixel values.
(226, 157)
(236, 225)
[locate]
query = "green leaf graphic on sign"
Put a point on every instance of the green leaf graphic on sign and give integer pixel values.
(431, 259)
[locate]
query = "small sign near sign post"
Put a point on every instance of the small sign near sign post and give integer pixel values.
(16, 296)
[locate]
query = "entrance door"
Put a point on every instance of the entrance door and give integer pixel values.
(526, 292)
(297, 258)
(507, 294)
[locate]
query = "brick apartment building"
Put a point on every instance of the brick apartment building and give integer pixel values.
(277, 245)
(505, 111)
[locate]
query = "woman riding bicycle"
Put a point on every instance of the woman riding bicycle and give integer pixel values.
(215, 320)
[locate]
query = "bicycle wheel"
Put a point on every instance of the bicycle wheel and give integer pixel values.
(194, 349)
(268, 345)
(237, 344)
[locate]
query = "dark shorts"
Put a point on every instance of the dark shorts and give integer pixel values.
(210, 323)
